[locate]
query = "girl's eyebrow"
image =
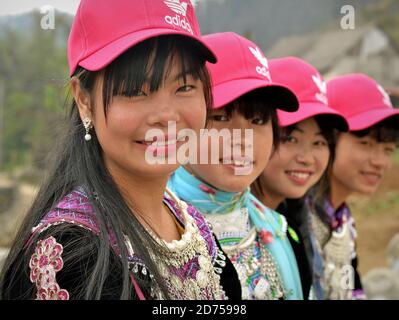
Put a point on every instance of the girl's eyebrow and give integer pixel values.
(298, 129)
(178, 77)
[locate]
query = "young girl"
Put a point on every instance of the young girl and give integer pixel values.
(363, 157)
(253, 236)
(305, 152)
(101, 227)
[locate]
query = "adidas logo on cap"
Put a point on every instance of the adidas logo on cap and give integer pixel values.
(264, 70)
(322, 86)
(385, 96)
(179, 20)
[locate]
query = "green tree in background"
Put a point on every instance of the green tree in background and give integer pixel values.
(33, 70)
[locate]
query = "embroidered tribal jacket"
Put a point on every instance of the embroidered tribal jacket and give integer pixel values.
(62, 251)
(336, 235)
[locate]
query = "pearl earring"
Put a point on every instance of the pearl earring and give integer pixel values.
(88, 125)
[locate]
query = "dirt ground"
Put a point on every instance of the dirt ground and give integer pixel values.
(377, 221)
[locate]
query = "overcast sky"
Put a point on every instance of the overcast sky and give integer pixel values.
(19, 6)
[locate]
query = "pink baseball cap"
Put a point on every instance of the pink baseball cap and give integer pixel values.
(242, 67)
(310, 88)
(361, 100)
(104, 29)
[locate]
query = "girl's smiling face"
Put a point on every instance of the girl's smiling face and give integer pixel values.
(298, 164)
(159, 81)
(122, 133)
(239, 161)
(361, 163)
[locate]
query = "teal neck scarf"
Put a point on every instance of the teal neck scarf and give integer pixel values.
(270, 225)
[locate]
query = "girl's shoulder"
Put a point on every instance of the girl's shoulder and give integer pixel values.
(62, 252)
(75, 208)
(74, 211)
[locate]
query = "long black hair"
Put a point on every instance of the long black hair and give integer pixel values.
(330, 133)
(77, 163)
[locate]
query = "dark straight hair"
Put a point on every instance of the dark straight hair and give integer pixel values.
(256, 105)
(330, 133)
(77, 163)
(384, 131)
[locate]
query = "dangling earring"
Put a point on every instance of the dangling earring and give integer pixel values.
(88, 125)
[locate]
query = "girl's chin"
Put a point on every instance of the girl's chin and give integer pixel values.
(237, 190)
(158, 169)
(366, 190)
(295, 194)
(298, 188)
(232, 185)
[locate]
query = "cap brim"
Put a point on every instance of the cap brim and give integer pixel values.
(279, 96)
(311, 109)
(369, 118)
(104, 56)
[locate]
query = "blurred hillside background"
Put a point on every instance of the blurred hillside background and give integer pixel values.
(34, 83)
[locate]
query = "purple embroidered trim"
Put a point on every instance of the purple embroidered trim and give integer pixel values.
(339, 217)
(76, 208)
(73, 208)
(359, 294)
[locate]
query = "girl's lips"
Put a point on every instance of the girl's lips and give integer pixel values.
(235, 163)
(372, 178)
(160, 147)
(163, 140)
(299, 177)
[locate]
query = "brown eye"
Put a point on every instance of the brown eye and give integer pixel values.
(133, 93)
(258, 122)
(186, 88)
(140, 93)
(390, 150)
(364, 143)
(320, 143)
(219, 117)
(289, 139)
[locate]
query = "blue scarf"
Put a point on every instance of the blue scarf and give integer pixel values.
(209, 200)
